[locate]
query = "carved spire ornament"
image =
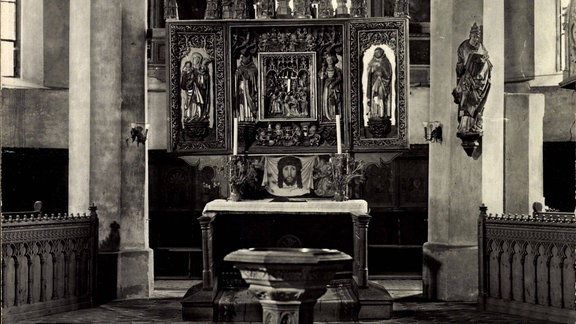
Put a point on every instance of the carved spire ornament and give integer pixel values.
(170, 10)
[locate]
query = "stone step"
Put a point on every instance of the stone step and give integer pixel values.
(340, 303)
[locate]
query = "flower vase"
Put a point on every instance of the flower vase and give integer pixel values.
(340, 194)
(234, 195)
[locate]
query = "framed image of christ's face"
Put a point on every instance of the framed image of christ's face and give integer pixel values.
(287, 86)
(289, 175)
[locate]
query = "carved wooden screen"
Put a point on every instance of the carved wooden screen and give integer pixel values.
(527, 264)
(48, 263)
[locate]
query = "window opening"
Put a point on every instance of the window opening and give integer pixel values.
(9, 35)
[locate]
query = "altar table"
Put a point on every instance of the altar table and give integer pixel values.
(305, 223)
(357, 209)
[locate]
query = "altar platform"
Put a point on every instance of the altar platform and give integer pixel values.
(300, 223)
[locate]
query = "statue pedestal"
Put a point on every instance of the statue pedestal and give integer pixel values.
(470, 142)
(379, 127)
(288, 281)
(196, 130)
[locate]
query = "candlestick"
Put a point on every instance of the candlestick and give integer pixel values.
(235, 137)
(338, 135)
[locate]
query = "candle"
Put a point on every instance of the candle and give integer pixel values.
(338, 135)
(235, 137)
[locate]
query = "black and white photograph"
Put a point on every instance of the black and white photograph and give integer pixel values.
(288, 161)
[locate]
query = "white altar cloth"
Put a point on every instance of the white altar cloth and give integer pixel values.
(295, 205)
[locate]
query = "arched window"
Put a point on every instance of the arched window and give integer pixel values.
(10, 36)
(35, 39)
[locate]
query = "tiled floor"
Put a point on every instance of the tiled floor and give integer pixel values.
(164, 307)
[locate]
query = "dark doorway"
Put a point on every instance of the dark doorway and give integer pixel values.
(559, 175)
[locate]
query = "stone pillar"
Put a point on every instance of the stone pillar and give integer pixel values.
(548, 70)
(207, 249)
(56, 50)
(523, 166)
(361, 248)
(135, 272)
(107, 94)
(493, 140)
(458, 183)
(520, 47)
(32, 64)
(80, 100)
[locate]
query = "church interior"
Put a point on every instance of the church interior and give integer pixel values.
(288, 161)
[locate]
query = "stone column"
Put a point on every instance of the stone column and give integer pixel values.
(361, 249)
(459, 183)
(548, 72)
(32, 64)
(80, 101)
(207, 250)
(492, 156)
(520, 47)
(524, 170)
(107, 94)
(135, 266)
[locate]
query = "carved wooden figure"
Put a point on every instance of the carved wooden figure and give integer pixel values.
(358, 9)
(331, 87)
(302, 9)
(473, 82)
(325, 9)
(213, 10)
(265, 9)
(283, 9)
(341, 9)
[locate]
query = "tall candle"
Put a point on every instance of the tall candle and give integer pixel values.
(338, 135)
(235, 137)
